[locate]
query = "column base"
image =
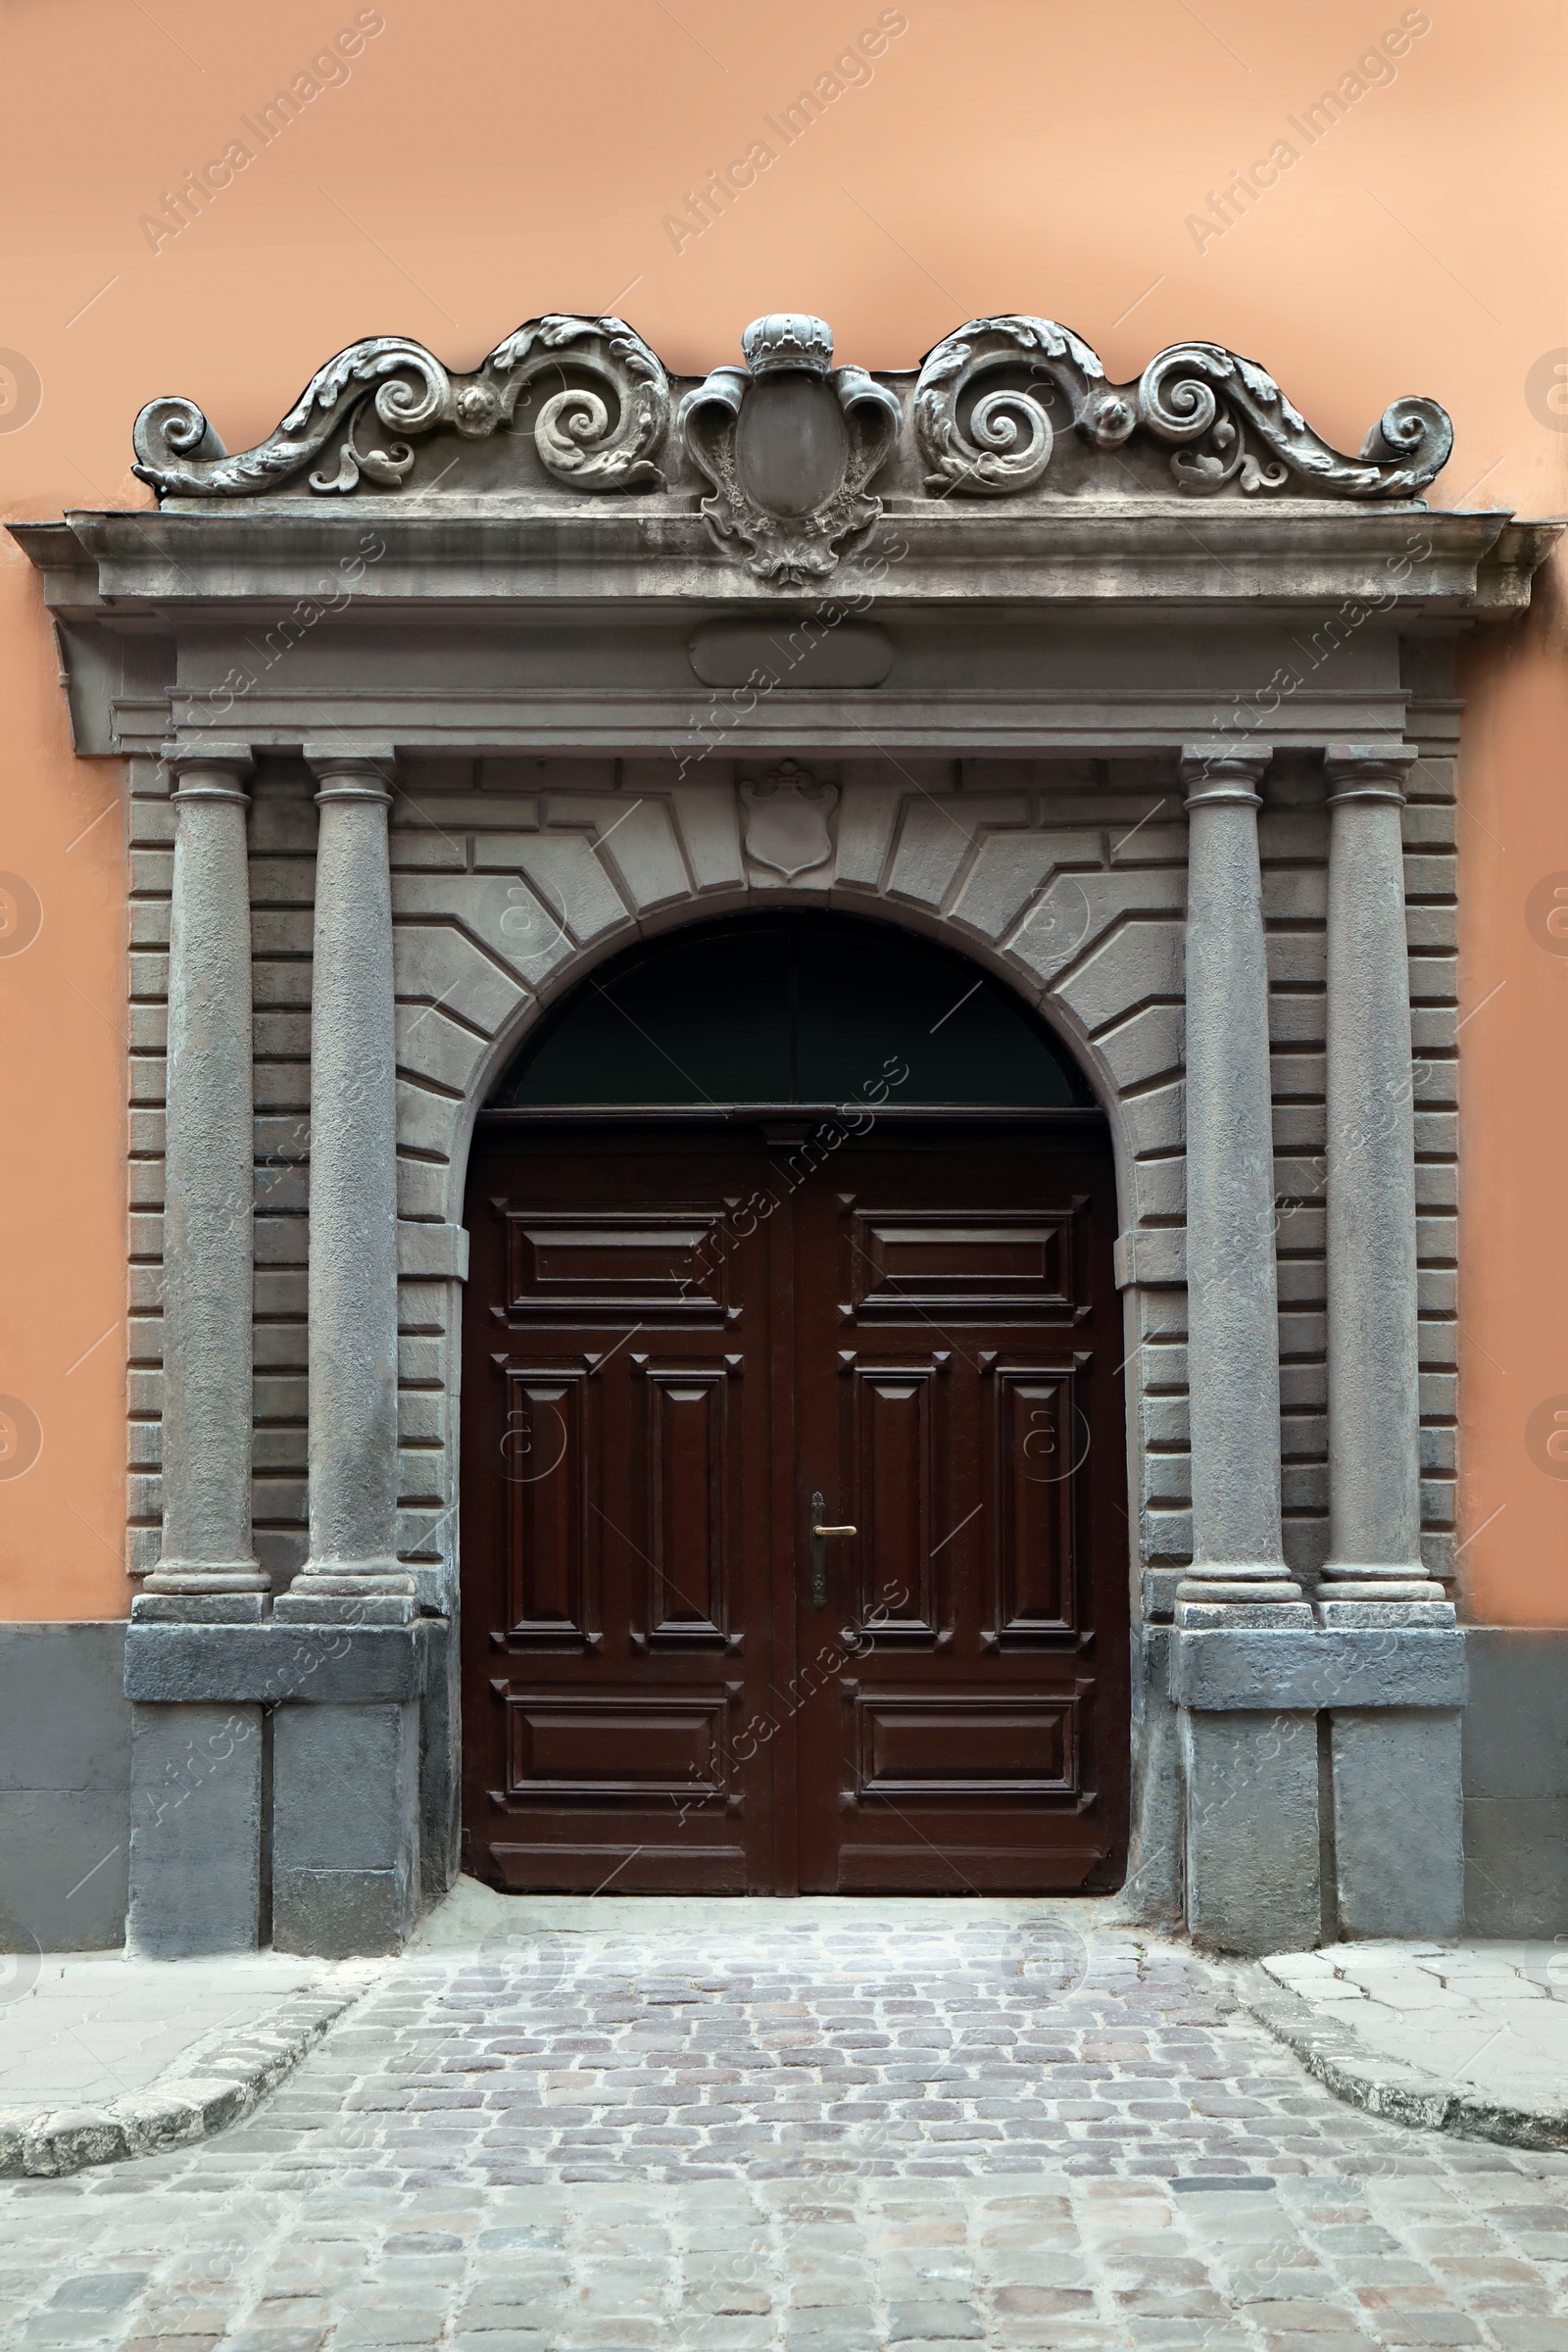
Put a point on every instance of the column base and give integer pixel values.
(1398, 1822)
(1239, 1585)
(203, 1578)
(1252, 1837)
(371, 1592)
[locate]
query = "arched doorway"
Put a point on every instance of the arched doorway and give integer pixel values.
(782, 1224)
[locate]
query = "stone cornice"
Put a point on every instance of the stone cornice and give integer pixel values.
(1289, 557)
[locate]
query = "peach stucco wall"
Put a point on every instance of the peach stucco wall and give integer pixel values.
(467, 167)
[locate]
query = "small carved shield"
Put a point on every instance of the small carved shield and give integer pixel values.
(786, 820)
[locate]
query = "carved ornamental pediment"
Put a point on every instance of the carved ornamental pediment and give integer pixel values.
(791, 462)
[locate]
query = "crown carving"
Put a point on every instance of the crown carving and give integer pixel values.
(788, 340)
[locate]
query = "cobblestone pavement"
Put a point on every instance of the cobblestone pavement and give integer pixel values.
(818, 2126)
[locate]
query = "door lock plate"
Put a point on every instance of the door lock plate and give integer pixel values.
(821, 1532)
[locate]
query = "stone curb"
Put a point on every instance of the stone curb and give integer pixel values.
(1388, 2087)
(216, 2081)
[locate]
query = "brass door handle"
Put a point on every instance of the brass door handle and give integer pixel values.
(820, 1534)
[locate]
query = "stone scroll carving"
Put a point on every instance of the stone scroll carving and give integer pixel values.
(1230, 422)
(387, 386)
(789, 445)
(1009, 438)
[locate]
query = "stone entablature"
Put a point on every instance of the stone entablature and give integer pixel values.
(488, 699)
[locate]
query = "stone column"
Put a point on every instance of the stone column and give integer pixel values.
(196, 1769)
(1250, 1770)
(353, 1574)
(345, 1771)
(207, 1566)
(1374, 1372)
(1232, 1295)
(1396, 1765)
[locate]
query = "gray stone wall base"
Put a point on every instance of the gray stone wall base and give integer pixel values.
(345, 1827)
(1516, 1782)
(195, 1830)
(1398, 1822)
(1252, 1830)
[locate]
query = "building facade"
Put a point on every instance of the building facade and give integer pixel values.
(619, 951)
(1135, 698)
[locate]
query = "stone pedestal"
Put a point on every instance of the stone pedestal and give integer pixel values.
(195, 1827)
(345, 1827)
(347, 1836)
(1258, 1704)
(1251, 1832)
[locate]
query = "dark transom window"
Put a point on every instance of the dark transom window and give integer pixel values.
(792, 1008)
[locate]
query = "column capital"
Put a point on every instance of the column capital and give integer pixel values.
(1219, 773)
(208, 771)
(351, 775)
(1367, 771)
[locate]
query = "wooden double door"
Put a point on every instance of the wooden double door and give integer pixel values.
(687, 1347)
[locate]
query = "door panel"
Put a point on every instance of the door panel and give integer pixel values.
(963, 1288)
(673, 1338)
(689, 1463)
(542, 1458)
(616, 1520)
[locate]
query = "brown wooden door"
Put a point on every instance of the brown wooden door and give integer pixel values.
(675, 1338)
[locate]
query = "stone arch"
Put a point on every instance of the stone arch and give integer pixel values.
(1028, 885)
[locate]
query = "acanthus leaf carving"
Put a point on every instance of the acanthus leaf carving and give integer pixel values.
(1178, 401)
(582, 439)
